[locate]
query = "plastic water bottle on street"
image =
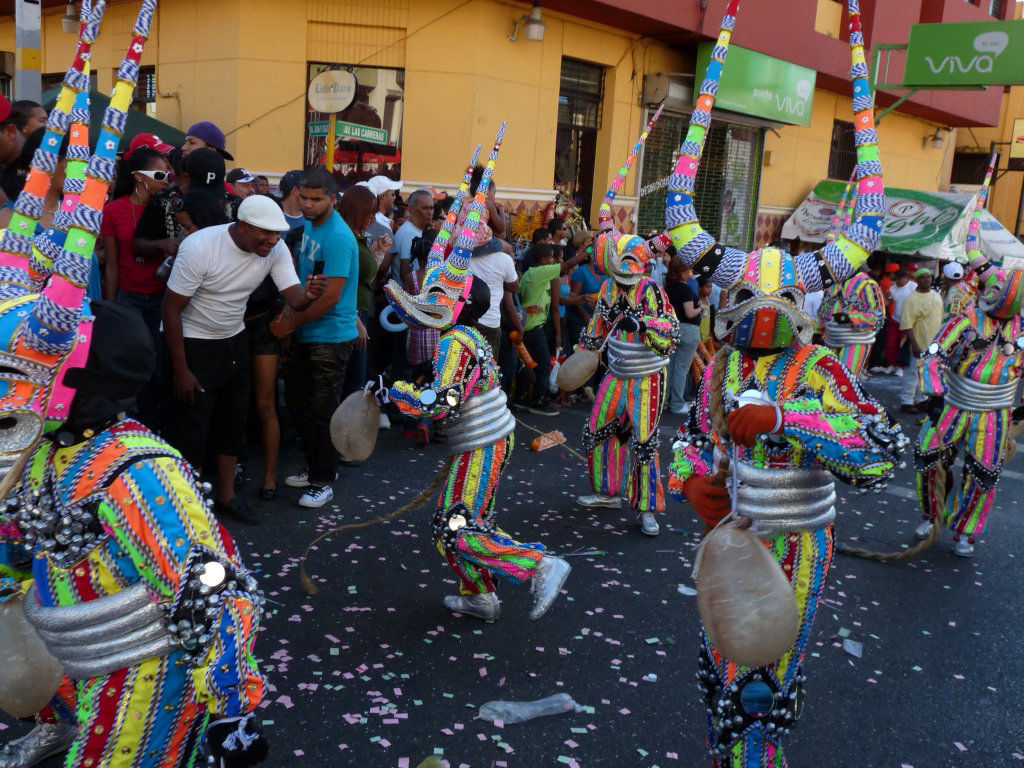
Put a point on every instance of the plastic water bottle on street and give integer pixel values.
(521, 711)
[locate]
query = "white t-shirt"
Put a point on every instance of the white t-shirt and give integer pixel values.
(400, 245)
(812, 303)
(495, 269)
(899, 295)
(218, 276)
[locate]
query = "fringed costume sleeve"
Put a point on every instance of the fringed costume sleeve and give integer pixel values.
(941, 352)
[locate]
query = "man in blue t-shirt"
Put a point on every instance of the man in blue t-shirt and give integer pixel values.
(324, 334)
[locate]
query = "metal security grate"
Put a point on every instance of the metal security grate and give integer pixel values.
(727, 181)
(842, 158)
(995, 8)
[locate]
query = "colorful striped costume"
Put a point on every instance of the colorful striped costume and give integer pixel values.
(828, 423)
(824, 424)
(974, 347)
(464, 367)
(974, 364)
(860, 307)
(149, 526)
(627, 409)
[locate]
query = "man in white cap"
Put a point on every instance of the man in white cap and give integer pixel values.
(384, 189)
(959, 295)
(216, 270)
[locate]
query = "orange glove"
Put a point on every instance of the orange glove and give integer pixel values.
(710, 499)
(749, 421)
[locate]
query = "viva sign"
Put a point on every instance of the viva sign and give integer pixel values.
(973, 53)
(759, 85)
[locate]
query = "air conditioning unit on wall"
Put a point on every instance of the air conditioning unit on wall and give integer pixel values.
(676, 90)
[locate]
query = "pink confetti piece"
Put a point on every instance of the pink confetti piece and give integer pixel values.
(299, 753)
(959, 746)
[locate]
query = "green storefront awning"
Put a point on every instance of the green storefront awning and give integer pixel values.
(931, 225)
(137, 121)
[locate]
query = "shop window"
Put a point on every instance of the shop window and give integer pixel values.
(969, 168)
(842, 157)
(995, 8)
(145, 89)
(579, 117)
(727, 180)
(368, 138)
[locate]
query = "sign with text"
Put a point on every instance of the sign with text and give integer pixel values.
(969, 53)
(332, 91)
(763, 86)
(362, 132)
(318, 128)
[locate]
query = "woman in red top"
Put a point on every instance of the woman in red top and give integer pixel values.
(131, 279)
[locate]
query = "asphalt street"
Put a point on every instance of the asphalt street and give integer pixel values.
(374, 671)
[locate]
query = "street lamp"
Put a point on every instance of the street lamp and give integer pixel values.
(69, 21)
(534, 25)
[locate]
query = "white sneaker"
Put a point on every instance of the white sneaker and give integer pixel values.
(648, 525)
(599, 500)
(898, 372)
(299, 480)
(42, 741)
(963, 548)
(316, 496)
(588, 394)
(385, 422)
(485, 606)
(878, 369)
(546, 582)
(922, 530)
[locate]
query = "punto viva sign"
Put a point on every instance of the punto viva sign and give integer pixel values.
(972, 53)
(759, 85)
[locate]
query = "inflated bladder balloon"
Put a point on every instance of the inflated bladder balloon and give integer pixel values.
(29, 675)
(577, 369)
(745, 600)
(354, 426)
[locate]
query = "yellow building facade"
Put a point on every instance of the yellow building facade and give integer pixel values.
(245, 65)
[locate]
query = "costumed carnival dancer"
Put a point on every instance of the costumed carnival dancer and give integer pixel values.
(971, 372)
(810, 420)
(466, 393)
(851, 314)
(636, 324)
(135, 588)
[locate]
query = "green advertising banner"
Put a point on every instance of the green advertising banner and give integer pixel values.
(759, 85)
(970, 53)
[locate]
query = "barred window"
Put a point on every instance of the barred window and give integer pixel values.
(969, 168)
(842, 157)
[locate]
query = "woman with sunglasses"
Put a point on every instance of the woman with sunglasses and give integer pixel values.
(131, 278)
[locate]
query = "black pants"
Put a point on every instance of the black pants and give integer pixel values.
(536, 341)
(149, 400)
(218, 413)
(314, 376)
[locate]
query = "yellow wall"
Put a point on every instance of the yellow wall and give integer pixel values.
(799, 155)
(242, 65)
(1005, 195)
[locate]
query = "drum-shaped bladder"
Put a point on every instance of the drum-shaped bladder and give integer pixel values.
(29, 675)
(354, 426)
(577, 369)
(745, 600)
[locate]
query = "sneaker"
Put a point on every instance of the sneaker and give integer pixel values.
(298, 480)
(236, 509)
(385, 422)
(542, 407)
(648, 525)
(865, 376)
(420, 435)
(898, 372)
(963, 548)
(879, 369)
(594, 500)
(546, 582)
(923, 529)
(38, 744)
(588, 393)
(316, 496)
(485, 606)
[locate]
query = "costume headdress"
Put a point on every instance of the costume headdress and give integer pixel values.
(766, 287)
(622, 257)
(45, 332)
(999, 291)
(447, 282)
